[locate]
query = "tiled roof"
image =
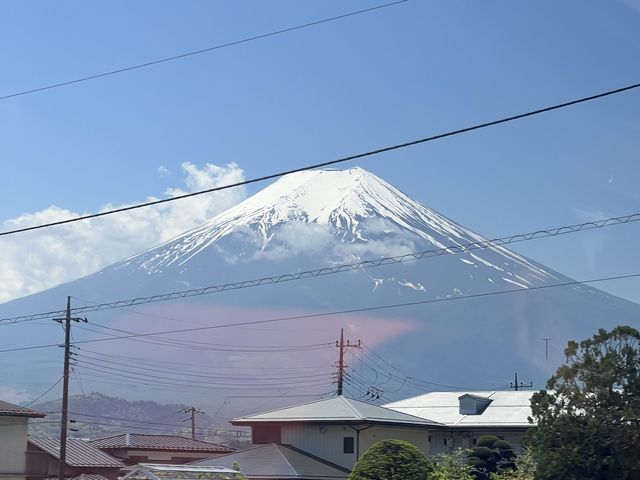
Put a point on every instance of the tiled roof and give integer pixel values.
(337, 409)
(10, 410)
(79, 453)
(278, 461)
(507, 408)
(159, 442)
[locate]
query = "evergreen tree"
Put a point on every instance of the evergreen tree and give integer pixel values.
(391, 460)
(588, 421)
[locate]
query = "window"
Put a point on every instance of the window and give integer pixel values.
(347, 445)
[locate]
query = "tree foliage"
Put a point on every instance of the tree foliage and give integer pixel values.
(391, 460)
(490, 455)
(588, 419)
(449, 466)
(525, 468)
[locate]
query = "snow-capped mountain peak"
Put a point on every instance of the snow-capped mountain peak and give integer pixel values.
(353, 205)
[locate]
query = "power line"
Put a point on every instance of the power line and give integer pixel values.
(348, 158)
(154, 362)
(346, 267)
(201, 51)
(339, 312)
(43, 393)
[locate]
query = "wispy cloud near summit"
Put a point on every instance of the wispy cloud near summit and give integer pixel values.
(35, 261)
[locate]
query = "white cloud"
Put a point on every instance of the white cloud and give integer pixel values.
(34, 261)
(162, 170)
(13, 395)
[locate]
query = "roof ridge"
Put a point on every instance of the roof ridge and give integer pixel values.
(282, 408)
(352, 407)
(295, 472)
(314, 457)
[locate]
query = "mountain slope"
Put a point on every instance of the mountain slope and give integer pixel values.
(311, 220)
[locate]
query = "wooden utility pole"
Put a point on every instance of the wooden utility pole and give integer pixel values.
(192, 411)
(64, 415)
(518, 386)
(341, 366)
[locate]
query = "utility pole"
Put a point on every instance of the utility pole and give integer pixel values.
(546, 348)
(192, 411)
(64, 415)
(519, 386)
(341, 366)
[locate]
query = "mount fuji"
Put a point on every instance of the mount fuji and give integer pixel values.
(311, 220)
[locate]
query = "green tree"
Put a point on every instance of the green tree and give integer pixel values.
(449, 466)
(588, 419)
(490, 455)
(391, 460)
(237, 476)
(525, 468)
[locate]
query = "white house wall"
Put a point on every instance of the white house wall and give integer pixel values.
(13, 448)
(417, 437)
(449, 440)
(326, 441)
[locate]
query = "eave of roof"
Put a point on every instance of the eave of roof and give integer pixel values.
(10, 410)
(340, 410)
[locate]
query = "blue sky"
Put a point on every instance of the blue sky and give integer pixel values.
(376, 79)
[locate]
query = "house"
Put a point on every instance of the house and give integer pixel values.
(134, 448)
(14, 422)
(468, 415)
(337, 430)
(278, 462)
(82, 460)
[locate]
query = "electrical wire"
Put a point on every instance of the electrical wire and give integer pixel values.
(345, 267)
(349, 158)
(200, 51)
(44, 393)
(338, 312)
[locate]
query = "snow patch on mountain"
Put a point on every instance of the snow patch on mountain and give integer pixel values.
(352, 214)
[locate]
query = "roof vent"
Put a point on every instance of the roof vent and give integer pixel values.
(473, 404)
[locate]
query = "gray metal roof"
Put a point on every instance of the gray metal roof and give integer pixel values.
(79, 453)
(10, 410)
(337, 409)
(273, 461)
(507, 408)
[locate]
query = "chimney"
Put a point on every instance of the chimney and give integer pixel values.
(127, 439)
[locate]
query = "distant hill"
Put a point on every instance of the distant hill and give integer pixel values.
(96, 415)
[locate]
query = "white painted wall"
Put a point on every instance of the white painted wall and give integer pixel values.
(464, 439)
(326, 441)
(13, 447)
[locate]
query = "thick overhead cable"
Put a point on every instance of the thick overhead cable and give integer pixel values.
(481, 244)
(338, 312)
(199, 52)
(348, 158)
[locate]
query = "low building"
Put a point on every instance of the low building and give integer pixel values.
(14, 424)
(468, 415)
(146, 471)
(134, 448)
(43, 459)
(278, 462)
(337, 430)
(82, 460)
